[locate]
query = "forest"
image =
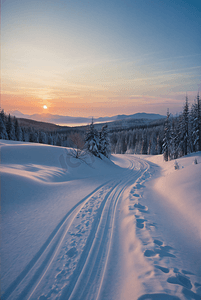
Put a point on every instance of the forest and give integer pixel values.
(173, 137)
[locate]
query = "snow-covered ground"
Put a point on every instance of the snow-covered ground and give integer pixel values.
(129, 228)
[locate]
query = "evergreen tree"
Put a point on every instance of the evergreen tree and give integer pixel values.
(10, 129)
(18, 130)
(58, 140)
(42, 137)
(184, 129)
(144, 144)
(104, 143)
(166, 140)
(50, 139)
(174, 139)
(199, 122)
(152, 148)
(33, 135)
(193, 128)
(3, 133)
(92, 140)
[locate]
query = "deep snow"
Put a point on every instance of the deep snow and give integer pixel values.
(129, 228)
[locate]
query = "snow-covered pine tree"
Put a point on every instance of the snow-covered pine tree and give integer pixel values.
(104, 143)
(113, 141)
(49, 139)
(18, 130)
(25, 135)
(193, 128)
(58, 139)
(152, 148)
(10, 129)
(174, 139)
(33, 135)
(144, 145)
(185, 132)
(199, 121)
(166, 139)
(92, 140)
(195, 125)
(3, 133)
(42, 137)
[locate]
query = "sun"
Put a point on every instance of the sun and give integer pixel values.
(45, 106)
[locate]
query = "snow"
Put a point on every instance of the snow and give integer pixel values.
(129, 228)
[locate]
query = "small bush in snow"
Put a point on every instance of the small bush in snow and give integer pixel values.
(195, 161)
(176, 165)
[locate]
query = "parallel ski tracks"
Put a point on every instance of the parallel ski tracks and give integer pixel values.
(89, 272)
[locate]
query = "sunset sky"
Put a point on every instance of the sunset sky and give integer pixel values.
(99, 57)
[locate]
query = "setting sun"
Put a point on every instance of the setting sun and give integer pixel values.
(45, 106)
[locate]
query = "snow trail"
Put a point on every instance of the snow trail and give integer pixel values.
(121, 241)
(58, 234)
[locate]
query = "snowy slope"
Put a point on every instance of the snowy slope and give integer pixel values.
(37, 191)
(98, 229)
(169, 231)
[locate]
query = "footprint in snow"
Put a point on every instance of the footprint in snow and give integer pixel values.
(181, 280)
(140, 223)
(136, 195)
(141, 208)
(157, 242)
(186, 283)
(139, 186)
(72, 252)
(163, 269)
(162, 251)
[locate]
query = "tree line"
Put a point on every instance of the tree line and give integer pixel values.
(175, 137)
(182, 135)
(11, 130)
(93, 141)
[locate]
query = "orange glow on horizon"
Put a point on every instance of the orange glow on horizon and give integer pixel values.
(84, 108)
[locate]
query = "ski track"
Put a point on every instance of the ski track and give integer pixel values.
(47, 250)
(77, 250)
(73, 261)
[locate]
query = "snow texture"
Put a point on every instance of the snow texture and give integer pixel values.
(129, 228)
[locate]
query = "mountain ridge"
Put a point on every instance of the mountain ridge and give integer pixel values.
(59, 119)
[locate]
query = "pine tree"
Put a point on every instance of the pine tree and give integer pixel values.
(185, 127)
(18, 130)
(50, 139)
(92, 140)
(10, 129)
(42, 137)
(3, 133)
(193, 124)
(144, 145)
(199, 122)
(166, 139)
(104, 143)
(33, 136)
(174, 139)
(58, 140)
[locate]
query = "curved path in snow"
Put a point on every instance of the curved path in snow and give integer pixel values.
(112, 245)
(73, 262)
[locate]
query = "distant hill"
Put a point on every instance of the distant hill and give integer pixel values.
(118, 125)
(75, 121)
(38, 125)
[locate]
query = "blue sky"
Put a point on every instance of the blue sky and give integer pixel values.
(84, 58)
